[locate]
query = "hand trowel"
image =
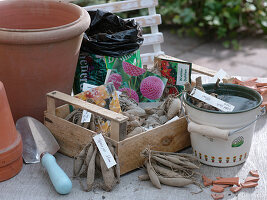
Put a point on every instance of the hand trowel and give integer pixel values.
(40, 145)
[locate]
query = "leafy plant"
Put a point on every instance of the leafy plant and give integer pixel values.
(220, 19)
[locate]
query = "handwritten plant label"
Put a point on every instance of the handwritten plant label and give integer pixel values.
(183, 73)
(104, 150)
(219, 75)
(217, 103)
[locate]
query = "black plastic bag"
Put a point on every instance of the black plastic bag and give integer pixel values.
(110, 35)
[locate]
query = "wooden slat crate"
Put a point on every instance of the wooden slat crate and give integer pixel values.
(169, 137)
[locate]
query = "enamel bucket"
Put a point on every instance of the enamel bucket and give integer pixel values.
(223, 139)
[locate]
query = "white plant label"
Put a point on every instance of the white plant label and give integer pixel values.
(87, 86)
(217, 103)
(104, 150)
(86, 116)
(182, 73)
(119, 93)
(108, 74)
(220, 74)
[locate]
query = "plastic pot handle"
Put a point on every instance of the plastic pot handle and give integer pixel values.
(209, 131)
(214, 132)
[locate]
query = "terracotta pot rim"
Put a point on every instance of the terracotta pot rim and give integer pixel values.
(42, 29)
(52, 34)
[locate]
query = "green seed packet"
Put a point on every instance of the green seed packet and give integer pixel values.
(133, 58)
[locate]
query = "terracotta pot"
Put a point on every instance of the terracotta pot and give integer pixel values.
(39, 48)
(10, 141)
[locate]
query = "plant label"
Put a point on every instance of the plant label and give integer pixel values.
(87, 86)
(183, 73)
(219, 75)
(217, 103)
(86, 116)
(104, 150)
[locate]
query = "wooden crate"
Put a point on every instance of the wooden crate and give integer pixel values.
(169, 137)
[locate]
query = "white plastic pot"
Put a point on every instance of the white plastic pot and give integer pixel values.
(223, 139)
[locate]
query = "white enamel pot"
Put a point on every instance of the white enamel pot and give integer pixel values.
(223, 139)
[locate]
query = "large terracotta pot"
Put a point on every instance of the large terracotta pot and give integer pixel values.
(10, 141)
(39, 48)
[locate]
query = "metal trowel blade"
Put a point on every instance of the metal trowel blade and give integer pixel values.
(36, 139)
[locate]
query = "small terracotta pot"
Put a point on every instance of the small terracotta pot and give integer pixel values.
(10, 141)
(39, 48)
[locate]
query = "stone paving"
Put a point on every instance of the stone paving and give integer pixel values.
(250, 60)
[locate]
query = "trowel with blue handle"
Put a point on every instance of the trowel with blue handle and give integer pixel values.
(40, 145)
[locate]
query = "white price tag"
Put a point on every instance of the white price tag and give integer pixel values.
(104, 150)
(87, 86)
(220, 74)
(86, 116)
(217, 103)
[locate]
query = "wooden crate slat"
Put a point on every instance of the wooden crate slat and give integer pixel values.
(70, 137)
(149, 20)
(195, 67)
(63, 111)
(123, 6)
(170, 137)
(148, 58)
(108, 114)
(154, 29)
(153, 38)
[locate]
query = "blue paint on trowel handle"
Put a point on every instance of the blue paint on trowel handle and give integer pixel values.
(58, 177)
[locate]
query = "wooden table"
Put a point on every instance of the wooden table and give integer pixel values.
(32, 183)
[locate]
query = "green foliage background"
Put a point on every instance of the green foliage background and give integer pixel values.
(218, 19)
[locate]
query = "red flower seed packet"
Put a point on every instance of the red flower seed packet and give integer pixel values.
(177, 73)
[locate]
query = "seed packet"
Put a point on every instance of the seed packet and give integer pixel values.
(91, 69)
(132, 58)
(137, 83)
(106, 97)
(177, 73)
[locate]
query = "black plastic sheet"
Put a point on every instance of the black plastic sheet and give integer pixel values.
(110, 35)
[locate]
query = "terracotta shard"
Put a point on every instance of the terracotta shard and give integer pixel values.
(217, 196)
(261, 84)
(224, 186)
(262, 90)
(235, 189)
(228, 181)
(217, 189)
(252, 179)
(249, 184)
(254, 173)
(206, 181)
(218, 178)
